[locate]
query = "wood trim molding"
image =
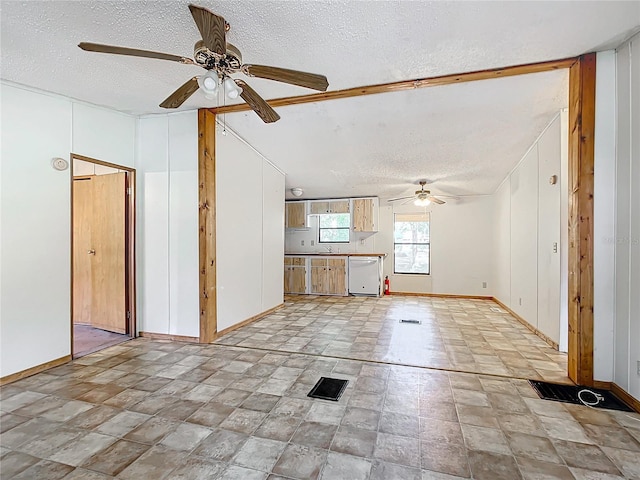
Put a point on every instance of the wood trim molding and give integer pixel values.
(248, 321)
(582, 82)
(207, 224)
(168, 336)
(408, 84)
(443, 295)
(533, 329)
(33, 370)
(624, 395)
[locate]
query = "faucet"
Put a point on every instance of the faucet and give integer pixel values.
(328, 248)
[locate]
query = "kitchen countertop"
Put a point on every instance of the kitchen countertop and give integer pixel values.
(336, 254)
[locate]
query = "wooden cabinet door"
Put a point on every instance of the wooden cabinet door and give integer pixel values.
(363, 213)
(336, 276)
(296, 213)
(295, 275)
(298, 280)
(319, 207)
(319, 275)
(339, 206)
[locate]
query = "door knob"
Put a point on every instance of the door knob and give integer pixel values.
(91, 252)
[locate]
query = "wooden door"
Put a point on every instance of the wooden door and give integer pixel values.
(99, 219)
(82, 214)
(298, 279)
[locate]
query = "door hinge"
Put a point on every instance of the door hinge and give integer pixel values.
(128, 315)
(129, 190)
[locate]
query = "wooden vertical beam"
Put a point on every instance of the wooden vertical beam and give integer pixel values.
(207, 224)
(582, 95)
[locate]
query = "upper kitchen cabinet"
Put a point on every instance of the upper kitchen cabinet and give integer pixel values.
(329, 206)
(296, 215)
(365, 214)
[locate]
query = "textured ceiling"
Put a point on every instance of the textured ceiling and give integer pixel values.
(463, 139)
(347, 146)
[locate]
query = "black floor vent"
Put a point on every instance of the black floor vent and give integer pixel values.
(328, 389)
(569, 394)
(413, 322)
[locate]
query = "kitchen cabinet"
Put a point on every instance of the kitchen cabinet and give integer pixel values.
(295, 275)
(365, 213)
(328, 276)
(329, 206)
(296, 215)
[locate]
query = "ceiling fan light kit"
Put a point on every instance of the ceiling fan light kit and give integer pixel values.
(422, 197)
(221, 60)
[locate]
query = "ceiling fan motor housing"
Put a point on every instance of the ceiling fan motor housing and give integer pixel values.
(229, 63)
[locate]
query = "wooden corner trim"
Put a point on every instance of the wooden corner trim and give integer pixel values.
(533, 329)
(248, 321)
(207, 225)
(33, 370)
(409, 84)
(443, 295)
(626, 396)
(168, 336)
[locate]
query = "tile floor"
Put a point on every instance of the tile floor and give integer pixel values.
(167, 410)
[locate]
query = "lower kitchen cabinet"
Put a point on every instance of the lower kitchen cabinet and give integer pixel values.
(295, 275)
(328, 276)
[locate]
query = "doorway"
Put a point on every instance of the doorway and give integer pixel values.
(102, 247)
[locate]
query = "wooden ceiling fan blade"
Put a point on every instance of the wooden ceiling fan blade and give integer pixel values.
(178, 97)
(134, 52)
(212, 27)
(400, 198)
(436, 200)
(293, 77)
(257, 103)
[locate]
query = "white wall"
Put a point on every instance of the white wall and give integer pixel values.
(461, 248)
(249, 232)
(168, 224)
(627, 219)
(528, 212)
(604, 217)
(35, 213)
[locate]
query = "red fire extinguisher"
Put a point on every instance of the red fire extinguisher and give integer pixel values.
(387, 285)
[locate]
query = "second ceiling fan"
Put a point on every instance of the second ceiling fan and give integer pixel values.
(221, 60)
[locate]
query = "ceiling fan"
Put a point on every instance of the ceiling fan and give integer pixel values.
(221, 60)
(421, 198)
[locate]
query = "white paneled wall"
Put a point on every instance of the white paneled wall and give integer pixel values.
(35, 325)
(168, 224)
(627, 219)
(104, 134)
(528, 213)
(604, 217)
(249, 232)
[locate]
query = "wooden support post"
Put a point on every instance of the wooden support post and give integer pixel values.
(207, 223)
(582, 83)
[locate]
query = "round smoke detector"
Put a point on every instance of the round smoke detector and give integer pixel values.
(59, 163)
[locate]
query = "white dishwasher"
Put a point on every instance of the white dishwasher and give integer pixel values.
(365, 275)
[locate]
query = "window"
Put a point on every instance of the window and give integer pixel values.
(411, 252)
(334, 227)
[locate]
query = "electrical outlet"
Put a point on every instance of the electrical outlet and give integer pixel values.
(313, 243)
(555, 247)
(484, 284)
(519, 301)
(302, 242)
(362, 241)
(638, 367)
